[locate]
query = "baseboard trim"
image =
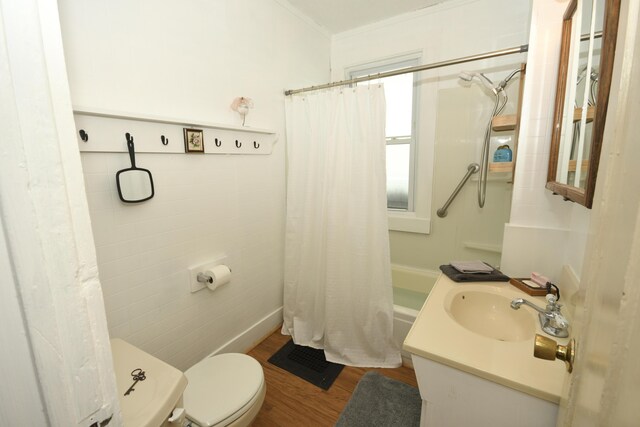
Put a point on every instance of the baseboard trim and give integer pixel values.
(251, 337)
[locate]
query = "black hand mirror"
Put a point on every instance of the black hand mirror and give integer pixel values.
(135, 185)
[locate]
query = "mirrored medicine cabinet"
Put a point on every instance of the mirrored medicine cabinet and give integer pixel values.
(589, 32)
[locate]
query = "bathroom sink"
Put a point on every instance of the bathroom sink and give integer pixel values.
(490, 315)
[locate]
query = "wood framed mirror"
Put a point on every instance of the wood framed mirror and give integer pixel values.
(589, 32)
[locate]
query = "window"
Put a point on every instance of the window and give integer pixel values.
(400, 94)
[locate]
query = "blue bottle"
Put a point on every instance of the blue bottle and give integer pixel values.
(503, 154)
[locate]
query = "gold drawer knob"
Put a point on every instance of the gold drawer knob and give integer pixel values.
(547, 349)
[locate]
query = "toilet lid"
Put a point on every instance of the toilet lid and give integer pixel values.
(220, 386)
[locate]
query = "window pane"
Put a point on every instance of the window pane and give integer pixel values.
(399, 96)
(398, 92)
(398, 176)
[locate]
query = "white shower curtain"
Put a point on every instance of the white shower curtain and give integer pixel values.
(337, 290)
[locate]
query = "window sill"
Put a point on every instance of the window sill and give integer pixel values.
(408, 222)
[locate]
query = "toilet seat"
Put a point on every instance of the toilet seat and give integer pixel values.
(222, 388)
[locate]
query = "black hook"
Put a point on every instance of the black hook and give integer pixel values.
(84, 135)
(238, 144)
(165, 141)
(218, 142)
(256, 145)
(129, 137)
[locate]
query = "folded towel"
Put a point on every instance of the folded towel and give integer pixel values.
(472, 267)
(456, 276)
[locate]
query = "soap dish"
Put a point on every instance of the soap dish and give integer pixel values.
(529, 287)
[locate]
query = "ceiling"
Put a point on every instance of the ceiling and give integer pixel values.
(341, 15)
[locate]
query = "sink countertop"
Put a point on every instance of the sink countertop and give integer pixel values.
(435, 335)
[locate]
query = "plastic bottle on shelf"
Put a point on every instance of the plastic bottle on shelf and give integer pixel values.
(503, 154)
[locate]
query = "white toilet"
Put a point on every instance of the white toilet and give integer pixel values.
(223, 390)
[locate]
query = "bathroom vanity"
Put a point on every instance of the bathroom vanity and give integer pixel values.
(473, 358)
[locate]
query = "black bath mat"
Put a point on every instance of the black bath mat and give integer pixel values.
(307, 363)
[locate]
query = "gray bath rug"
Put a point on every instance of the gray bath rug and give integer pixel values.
(379, 401)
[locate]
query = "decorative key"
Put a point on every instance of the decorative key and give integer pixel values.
(138, 375)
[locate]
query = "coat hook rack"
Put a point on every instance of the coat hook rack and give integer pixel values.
(153, 135)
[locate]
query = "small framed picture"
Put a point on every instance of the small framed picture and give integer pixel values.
(193, 140)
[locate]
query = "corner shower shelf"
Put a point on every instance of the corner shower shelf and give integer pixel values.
(573, 164)
(509, 121)
(504, 122)
(483, 247)
(501, 167)
(103, 131)
(577, 114)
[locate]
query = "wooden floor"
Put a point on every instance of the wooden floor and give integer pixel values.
(291, 401)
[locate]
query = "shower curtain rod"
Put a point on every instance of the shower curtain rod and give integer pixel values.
(414, 69)
(502, 52)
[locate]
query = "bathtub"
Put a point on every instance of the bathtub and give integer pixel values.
(411, 286)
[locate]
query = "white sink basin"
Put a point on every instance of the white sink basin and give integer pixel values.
(490, 315)
(467, 330)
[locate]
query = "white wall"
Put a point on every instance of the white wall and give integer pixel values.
(189, 59)
(544, 231)
(449, 30)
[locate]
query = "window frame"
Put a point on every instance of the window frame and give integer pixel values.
(389, 65)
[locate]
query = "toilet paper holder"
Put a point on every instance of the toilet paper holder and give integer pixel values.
(204, 278)
(211, 274)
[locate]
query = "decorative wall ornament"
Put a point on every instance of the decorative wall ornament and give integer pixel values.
(193, 140)
(242, 105)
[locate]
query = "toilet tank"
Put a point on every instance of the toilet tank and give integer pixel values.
(152, 400)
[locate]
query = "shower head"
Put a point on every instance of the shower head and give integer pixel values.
(581, 75)
(468, 76)
(465, 75)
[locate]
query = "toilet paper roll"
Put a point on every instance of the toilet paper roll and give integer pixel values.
(220, 274)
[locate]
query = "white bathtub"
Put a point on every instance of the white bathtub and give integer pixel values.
(411, 288)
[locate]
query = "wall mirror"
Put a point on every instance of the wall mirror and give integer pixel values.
(589, 33)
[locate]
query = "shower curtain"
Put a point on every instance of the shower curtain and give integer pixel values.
(337, 290)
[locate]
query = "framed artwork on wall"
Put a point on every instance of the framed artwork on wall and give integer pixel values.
(193, 140)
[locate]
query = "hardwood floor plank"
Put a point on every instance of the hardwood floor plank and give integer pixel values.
(291, 401)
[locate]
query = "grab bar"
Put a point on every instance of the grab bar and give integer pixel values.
(471, 169)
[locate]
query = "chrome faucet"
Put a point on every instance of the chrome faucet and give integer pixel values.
(551, 319)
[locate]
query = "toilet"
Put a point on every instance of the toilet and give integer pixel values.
(222, 390)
